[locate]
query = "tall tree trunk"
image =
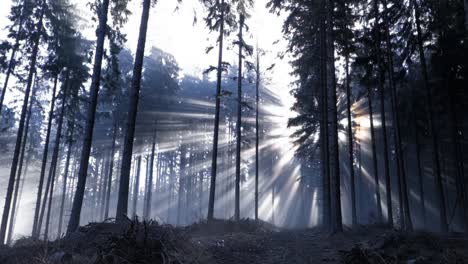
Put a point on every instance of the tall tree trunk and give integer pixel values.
(430, 107)
(45, 154)
(104, 184)
(401, 174)
(458, 157)
(420, 174)
(374, 156)
(65, 178)
(90, 118)
(136, 187)
(111, 170)
(239, 124)
(257, 104)
(214, 160)
(465, 5)
(334, 146)
(350, 145)
(122, 202)
(324, 122)
(149, 189)
(55, 156)
(11, 63)
(170, 188)
(11, 223)
(16, 154)
(381, 86)
(15, 213)
(182, 181)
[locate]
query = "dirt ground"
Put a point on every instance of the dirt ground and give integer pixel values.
(237, 242)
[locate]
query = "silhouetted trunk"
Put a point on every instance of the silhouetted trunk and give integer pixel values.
(324, 122)
(111, 170)
(11, 63)
(257, 104)
(55, 157)
(182, 181)
(334, 146)
(239, 124)
(458, 157)
(405, 214)
(420, 174)
(104, 184)
(136, 187)
(65, 178)
(435, 144)
(465, 5)
(374, 156)
(381, 86)
(18, 180)
(170, 186)
(350, 144)
(122, 202)
(20, 194)
(16, 153)
(214, 160)
(90, 118)
(45, 154)
(149, 187)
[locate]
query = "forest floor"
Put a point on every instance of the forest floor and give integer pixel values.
(227, 242)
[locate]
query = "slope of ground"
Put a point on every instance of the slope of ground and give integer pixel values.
(227, 242)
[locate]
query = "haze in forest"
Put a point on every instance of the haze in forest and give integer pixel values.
(297, 113)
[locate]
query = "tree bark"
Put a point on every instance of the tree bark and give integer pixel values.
(90, 119)
(45, 154)
(182, 181)
(122, 202)
(65, 178)
(420, 174)
(239, 124)
(16, 154)
(337, 225)
(111, 170)
(430, 118)
(55, 157)
(257, 104)
(214, 160)
(350, 145)
(149, 188)
(11, 223)
(136, 187)
(401, 174)
(381, 86)
(324, 122)
(374, 156)
(458, 157)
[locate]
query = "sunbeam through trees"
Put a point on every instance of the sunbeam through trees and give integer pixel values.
(234, 131)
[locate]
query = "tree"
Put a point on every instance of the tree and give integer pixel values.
(430, 118)
(217, 13)
(132, 114)
(19, 12)
(149, 187)
(19, 180)
(334, 147)
(88, 133)
(14, 164)
(257, 128)
(239, 122)
(381, 85)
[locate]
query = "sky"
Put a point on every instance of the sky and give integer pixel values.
(175, 33)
